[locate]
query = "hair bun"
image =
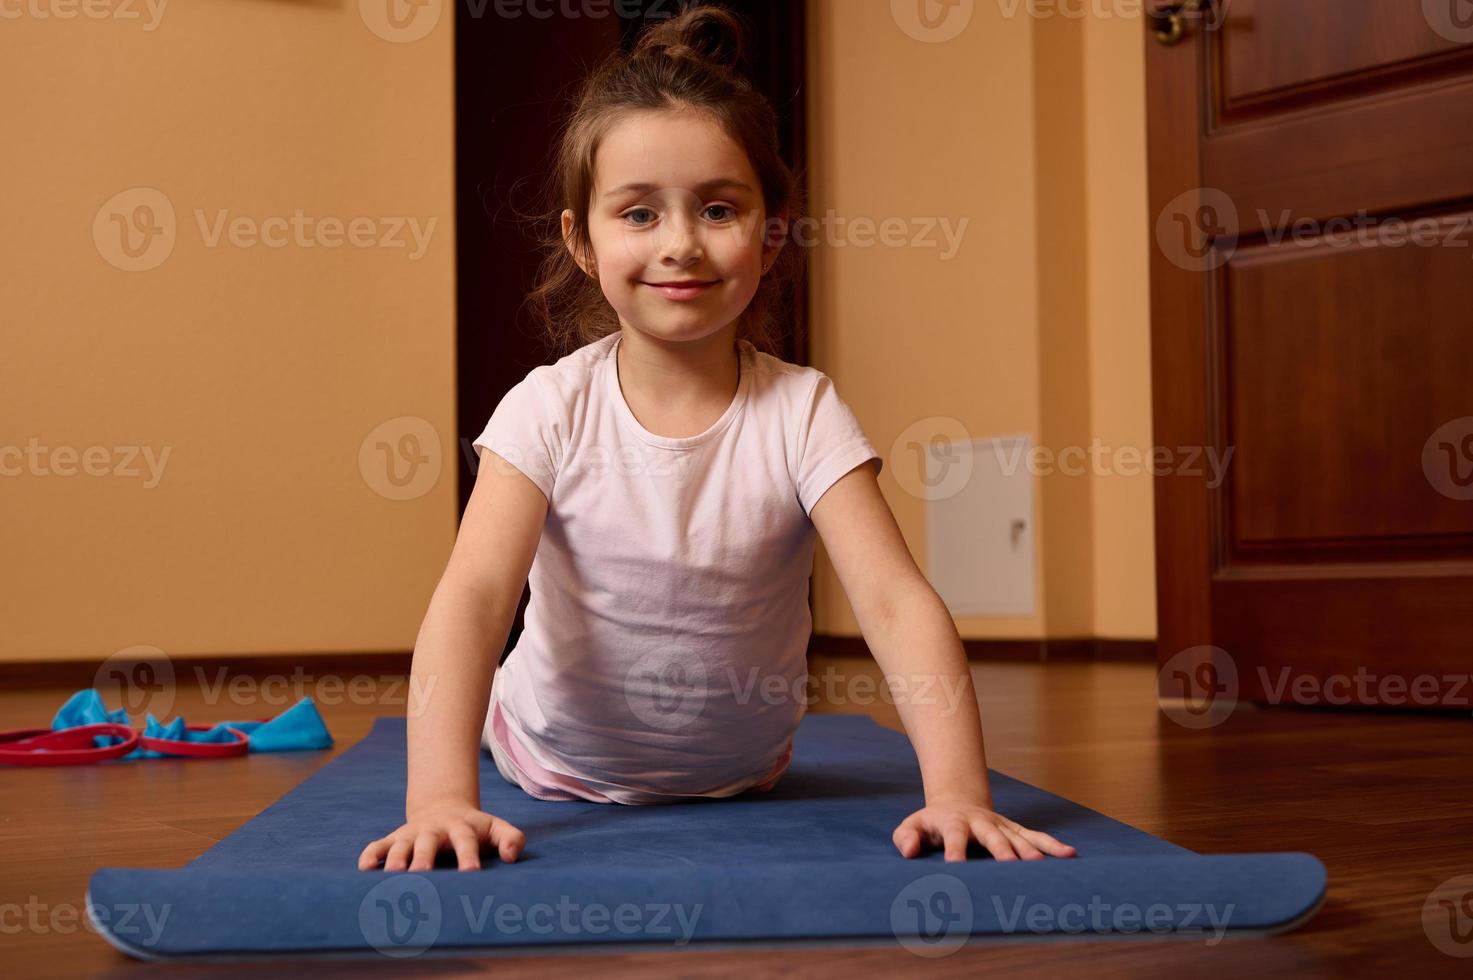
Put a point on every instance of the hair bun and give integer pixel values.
(705, 33)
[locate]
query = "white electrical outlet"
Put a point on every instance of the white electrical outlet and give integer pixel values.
(979, 527)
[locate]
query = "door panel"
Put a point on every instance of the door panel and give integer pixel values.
(1311, 188)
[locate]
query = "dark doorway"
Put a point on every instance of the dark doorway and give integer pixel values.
(513, 75)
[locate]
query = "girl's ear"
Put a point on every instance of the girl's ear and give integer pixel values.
(584, 262)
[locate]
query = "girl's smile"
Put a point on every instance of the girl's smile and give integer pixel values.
(683, 289)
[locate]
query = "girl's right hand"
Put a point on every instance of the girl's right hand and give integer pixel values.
(429, 830)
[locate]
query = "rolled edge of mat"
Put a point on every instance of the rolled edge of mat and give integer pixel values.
(922, 904)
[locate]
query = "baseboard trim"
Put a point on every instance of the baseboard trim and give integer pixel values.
(1028, 651)
(81, 674)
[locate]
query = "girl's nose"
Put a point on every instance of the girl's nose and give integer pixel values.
(681, 242)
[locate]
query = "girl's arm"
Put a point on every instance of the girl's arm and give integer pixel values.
(915, 642)
(464, 631)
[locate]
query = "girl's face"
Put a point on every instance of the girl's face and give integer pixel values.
(675, 201)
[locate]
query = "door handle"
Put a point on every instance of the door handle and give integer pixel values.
(1168, 23)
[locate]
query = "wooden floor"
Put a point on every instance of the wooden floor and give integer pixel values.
(1384, 800)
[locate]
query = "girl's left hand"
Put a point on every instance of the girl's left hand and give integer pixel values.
(955, 823)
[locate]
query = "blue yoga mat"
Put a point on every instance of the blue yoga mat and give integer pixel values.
(809, 863)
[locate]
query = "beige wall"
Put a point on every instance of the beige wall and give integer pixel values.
(259, 370)
(1033, 129)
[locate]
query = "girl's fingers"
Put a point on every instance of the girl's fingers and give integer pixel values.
(507, 839)
(955, 835)
(994, 840)
(1025, 850)
(372, 855)
(399, 851)
(426, 845)
(1047, 843)
(907, 839)
(467, 847)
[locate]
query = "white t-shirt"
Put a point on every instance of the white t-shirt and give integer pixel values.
(664, 653)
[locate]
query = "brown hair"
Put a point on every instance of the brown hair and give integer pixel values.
(693, 59)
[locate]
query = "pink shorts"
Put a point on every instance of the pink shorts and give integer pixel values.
(518, 767)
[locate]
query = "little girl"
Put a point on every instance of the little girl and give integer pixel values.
(668, 476)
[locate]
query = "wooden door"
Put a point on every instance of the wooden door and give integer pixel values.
(1311, 195)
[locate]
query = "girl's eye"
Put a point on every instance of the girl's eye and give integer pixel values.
(726, 213)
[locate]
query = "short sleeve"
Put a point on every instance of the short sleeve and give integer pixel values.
(830, 443)
(524, 431)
